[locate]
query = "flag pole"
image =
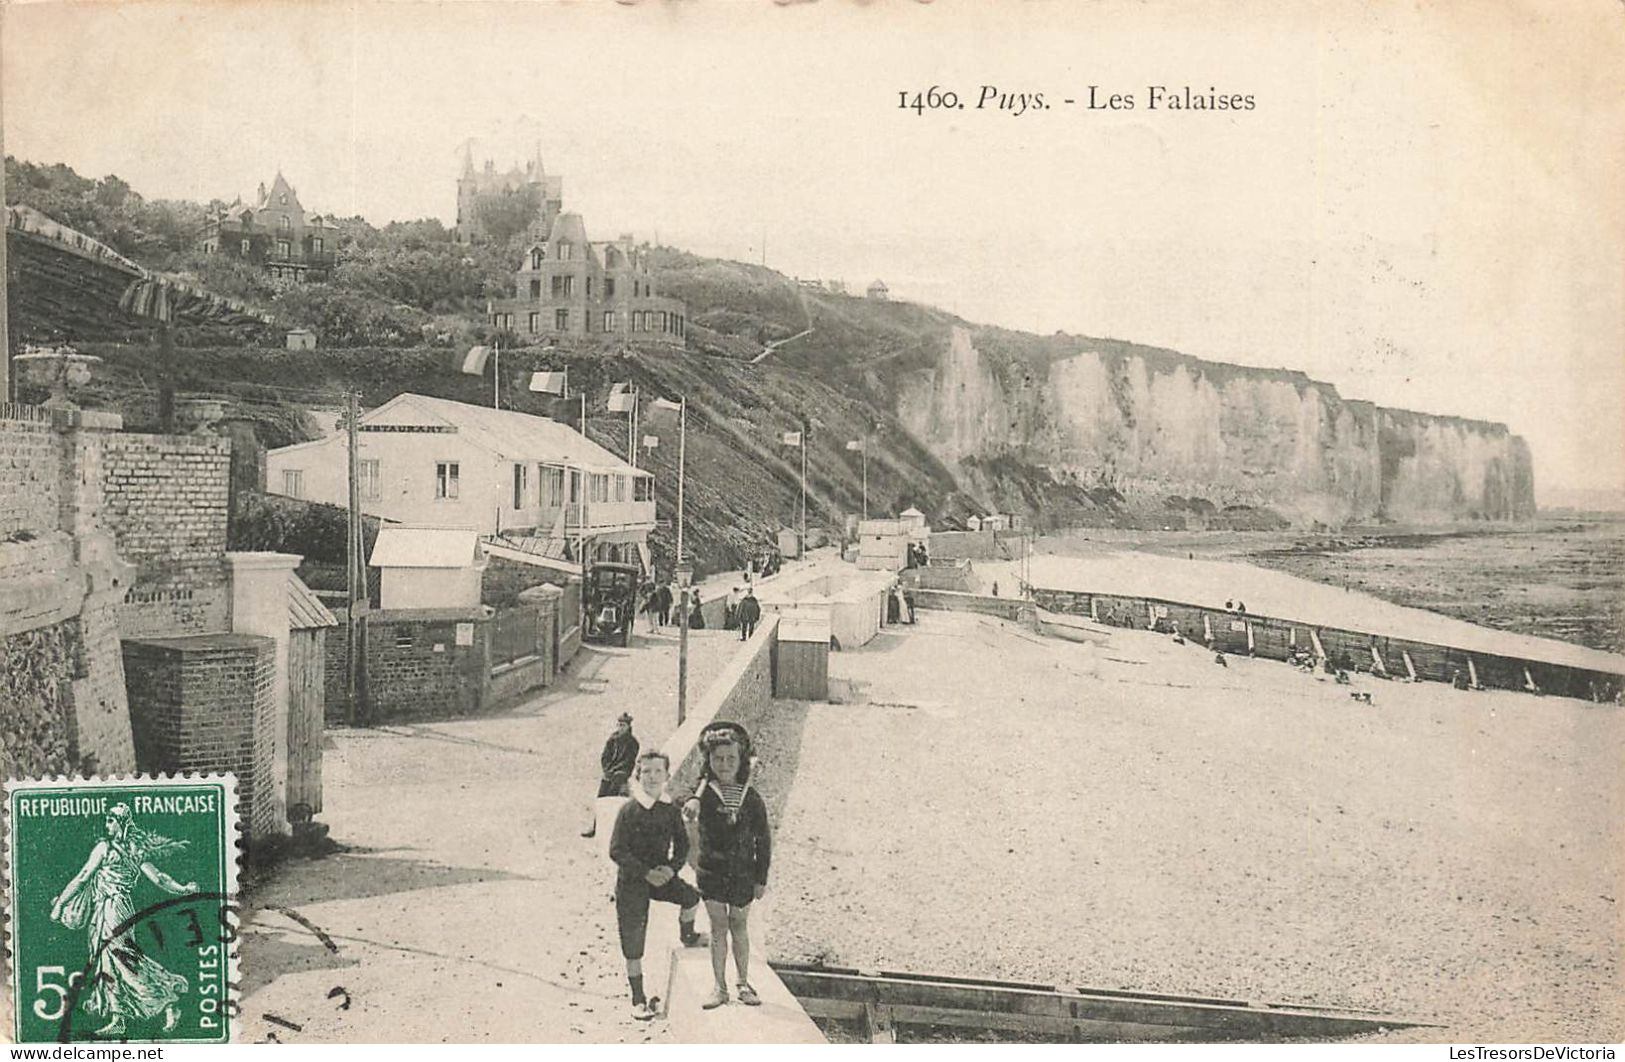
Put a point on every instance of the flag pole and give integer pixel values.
(496, 375)
(802, 545)
(866, 477)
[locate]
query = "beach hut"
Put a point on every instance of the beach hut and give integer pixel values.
(802, 672)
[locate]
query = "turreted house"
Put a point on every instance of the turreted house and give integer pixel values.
(275, 234)
(568, 285)
(528, 198)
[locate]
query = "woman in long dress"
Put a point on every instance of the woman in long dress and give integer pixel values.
(126, 982)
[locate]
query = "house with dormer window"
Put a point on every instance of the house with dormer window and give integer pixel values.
(276, 233)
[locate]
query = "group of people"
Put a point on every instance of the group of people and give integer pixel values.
(661, 602)
(741, 611)
(723, 825)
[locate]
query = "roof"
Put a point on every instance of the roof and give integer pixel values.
(911, 511)
(569, 226)
(305, 609)
(425, 547)
(511, 434)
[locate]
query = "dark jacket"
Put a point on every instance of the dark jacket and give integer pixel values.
(645, 838)
(750, 611)
(733, 855)
(620, 756)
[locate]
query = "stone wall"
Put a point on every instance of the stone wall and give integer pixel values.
(740, 694)
(204, 703)
(167, 499)
(36, 730)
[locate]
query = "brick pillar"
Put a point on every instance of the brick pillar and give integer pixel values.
(203, 703)
(259, 605)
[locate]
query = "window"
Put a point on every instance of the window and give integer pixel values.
(316, 245)
(637, 320)
(293, 482)
(609, 287)
(557, 287)
(536, 257)
(521, 484)
(599, 487)
(246, 246)
(283, 222)
(569, 286)
(620, 488)
(565, 251)
(589, 287)
(536, 288)
(535, 322)
(561, 320)
(643, 488)
(549, 486)
(609, 320)
(367, 478)
(663, 320)
(445, 480)
(283, 248)
(575, 486)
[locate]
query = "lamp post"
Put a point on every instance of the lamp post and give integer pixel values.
(685, 577)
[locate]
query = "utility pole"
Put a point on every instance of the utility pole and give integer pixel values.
(866, 477)
(357, 573)
(496, 374)
(5, 276)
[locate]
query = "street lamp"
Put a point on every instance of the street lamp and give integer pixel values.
(685, 578)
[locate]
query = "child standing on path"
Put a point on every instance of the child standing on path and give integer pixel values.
(735, 844)
(649, 847)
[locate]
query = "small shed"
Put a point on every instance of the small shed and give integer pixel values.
(308, 623)
(917, 529)
(802, 673)
(428, 567)
(878, 291)
(883, 545)
(789, 543)
(973, 523)
(301, 339)
(996, 522)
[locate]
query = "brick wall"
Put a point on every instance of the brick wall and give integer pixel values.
(203, 703)
(166, 504)
(28, 477)
(416, 669)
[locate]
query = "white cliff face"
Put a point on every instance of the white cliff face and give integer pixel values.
(1155, 425)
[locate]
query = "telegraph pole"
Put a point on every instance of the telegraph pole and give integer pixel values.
(802, 545)
(354, 563)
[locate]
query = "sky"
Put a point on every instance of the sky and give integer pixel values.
(1422, 207)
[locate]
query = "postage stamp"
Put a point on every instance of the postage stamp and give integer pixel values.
(123, 908)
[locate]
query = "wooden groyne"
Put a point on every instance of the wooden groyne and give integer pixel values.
(1277, 638)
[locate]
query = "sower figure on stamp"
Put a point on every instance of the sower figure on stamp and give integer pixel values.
(735, 848)
(619, 757)
(127, 983)
(649, 846)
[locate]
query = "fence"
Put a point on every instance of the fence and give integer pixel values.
(513, 634)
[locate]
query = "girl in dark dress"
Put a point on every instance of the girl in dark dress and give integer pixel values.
(735, 848)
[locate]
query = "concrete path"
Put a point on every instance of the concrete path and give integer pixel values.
(467, 908)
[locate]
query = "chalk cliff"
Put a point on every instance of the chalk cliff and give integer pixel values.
(1174, 439)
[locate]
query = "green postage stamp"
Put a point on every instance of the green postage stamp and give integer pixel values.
(122, 905)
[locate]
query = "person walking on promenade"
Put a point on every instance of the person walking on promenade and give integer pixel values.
(663, 600)
(750, 613)
(735, 850)
(649, 846)
(619, 758)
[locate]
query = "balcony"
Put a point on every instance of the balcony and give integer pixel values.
(611, 516)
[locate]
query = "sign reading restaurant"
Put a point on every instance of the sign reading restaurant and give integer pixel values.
(427, 429)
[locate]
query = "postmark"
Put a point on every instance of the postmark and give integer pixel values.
(123, 909)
